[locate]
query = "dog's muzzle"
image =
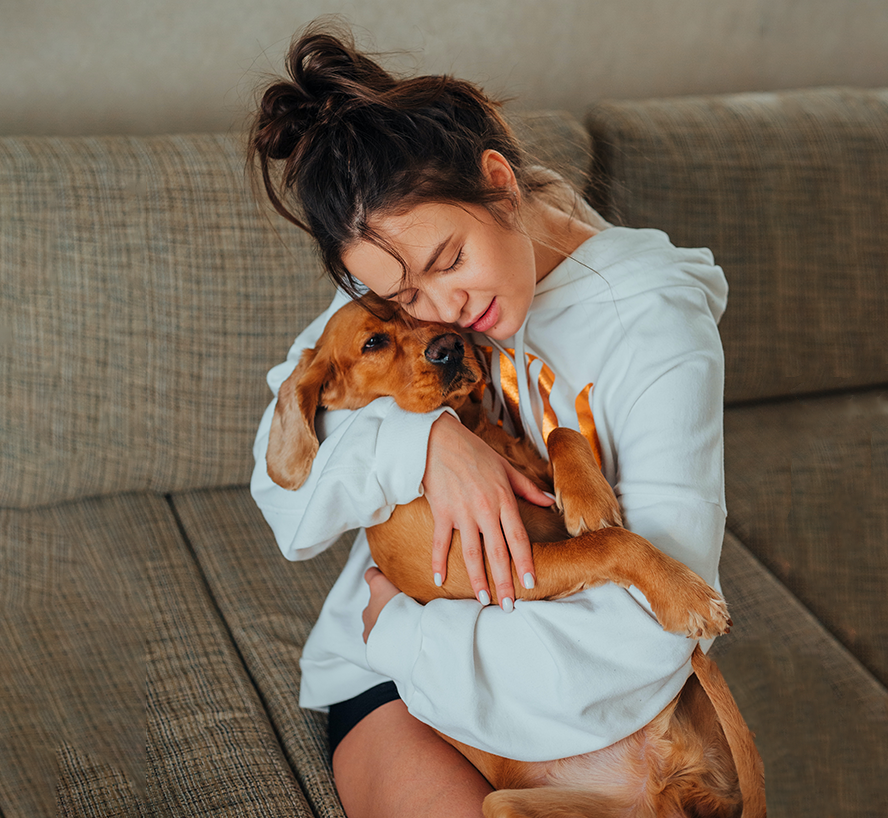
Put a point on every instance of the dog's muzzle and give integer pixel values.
(446, 350)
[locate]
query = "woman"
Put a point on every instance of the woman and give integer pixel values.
(417, 190)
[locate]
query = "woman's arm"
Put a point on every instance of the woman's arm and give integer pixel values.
(369, 461)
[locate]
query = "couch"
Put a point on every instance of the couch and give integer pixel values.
(151, 630)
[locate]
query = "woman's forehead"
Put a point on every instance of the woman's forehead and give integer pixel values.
(417, 236)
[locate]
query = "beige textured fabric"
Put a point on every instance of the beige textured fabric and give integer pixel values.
(120, 687)
(87, 787)
(809, 701)
(72, 634)
(790, 190)
(820, 719)
(144, 298)
(807, 492)
(211, 748)
(269, 605)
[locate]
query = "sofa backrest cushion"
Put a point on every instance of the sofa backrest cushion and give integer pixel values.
(790, 191)
(143, 297)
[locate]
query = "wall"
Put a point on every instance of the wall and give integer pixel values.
(159, 66)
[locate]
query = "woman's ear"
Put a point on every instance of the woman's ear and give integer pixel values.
(293, 441)
(498, 171)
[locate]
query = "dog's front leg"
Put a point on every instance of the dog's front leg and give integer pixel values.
(680, 599)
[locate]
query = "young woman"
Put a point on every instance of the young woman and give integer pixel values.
(417, 190)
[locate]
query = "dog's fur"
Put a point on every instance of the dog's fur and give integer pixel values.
(697, 757)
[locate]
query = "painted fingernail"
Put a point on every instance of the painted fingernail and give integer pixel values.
(484, 597)
(528, 580)
(507, 605)
(549, 495)
(438, 581)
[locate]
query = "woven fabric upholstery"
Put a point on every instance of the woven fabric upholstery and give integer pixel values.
(820, 719)
(87, 787)
(120, 689)
(144, 297)
(211, 748)
(269, 606)
(790, 191)
(807, 492)
(73, 617)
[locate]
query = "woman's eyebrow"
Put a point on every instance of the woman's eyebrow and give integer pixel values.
(435, 253)
(432, 259)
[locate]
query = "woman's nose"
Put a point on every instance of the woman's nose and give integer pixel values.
(449, 303)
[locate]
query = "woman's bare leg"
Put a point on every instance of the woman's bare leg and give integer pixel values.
(391, 765)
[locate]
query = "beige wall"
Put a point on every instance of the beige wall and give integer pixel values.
(156, 66)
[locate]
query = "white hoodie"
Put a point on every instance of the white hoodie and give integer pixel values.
(626, 327)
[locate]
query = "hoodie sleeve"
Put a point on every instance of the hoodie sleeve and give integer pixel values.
(369, 461)
(548, 680)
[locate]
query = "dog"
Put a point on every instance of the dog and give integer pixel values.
(697, 757)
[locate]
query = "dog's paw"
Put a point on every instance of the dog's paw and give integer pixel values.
(709, 623)
(587, 511)
(695, 610)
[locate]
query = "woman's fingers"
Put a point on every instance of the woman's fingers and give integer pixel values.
(519, 546)
(441, 538)
(473, 556)
(472, 489)
(524, 487)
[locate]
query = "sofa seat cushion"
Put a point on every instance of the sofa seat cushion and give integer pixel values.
(807, 492)
(819, 717)
(805, 696)
(122, 690)
(269, 606)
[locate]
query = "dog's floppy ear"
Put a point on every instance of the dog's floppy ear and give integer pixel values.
(293, 441)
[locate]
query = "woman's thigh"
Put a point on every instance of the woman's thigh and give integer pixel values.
(391, 765)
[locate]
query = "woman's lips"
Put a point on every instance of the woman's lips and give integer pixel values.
(487, 319)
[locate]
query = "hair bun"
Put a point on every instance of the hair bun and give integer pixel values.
(327, 77)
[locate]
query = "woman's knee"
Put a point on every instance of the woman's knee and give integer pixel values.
(390, 764)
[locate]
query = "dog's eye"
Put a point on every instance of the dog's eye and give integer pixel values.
(375, 341)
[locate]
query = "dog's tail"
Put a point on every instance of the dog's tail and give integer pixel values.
(553, 802)
(748, 762)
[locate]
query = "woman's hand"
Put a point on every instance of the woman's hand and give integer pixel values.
(381, 593)
(472, 488)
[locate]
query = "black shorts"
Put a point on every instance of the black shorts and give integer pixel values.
(345, 715)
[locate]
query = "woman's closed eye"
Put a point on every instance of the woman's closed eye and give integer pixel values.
(408, 297)
(457, 262)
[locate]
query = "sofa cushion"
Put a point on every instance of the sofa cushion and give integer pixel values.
(122, 690)
(144, 297)
(790, 191)
(269, 606)
(86, 786)
(821, 719)
(807, 492)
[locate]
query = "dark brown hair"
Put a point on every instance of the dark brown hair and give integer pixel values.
(340, 139)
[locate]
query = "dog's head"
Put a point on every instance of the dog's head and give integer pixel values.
(369, 349)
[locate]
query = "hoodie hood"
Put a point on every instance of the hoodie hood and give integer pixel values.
(626, 262)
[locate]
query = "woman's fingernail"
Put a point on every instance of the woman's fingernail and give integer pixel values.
(550, 496)
(438, 581)
(484, 597)
(528, 580)
(507, 605)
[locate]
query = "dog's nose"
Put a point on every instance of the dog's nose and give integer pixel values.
(445, 349)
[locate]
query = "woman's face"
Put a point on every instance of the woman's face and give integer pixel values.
(463, 267)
